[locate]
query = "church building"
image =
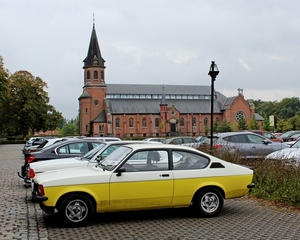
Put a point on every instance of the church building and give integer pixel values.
(145, 110)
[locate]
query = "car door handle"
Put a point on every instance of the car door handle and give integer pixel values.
(165, 175)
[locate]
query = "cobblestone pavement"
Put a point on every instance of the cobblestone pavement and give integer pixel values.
(244, 218)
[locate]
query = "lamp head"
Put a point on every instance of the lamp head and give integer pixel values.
(213, 70)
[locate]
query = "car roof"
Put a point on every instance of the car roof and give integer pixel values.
(161, 146)
(69, 140)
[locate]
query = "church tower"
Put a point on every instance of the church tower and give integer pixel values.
(92, 117)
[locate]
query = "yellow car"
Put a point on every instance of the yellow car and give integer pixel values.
(142, 176)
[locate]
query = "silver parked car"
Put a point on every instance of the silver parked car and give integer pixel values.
(289, 155)
(247, 144)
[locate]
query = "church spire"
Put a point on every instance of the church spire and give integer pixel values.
(94, 57)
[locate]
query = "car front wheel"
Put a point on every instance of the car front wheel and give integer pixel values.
(209, 202)
(76, 210)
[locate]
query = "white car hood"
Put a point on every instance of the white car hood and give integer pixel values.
(58, 164)
(73, 177)
(287, 153)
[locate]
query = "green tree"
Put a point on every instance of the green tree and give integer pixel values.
(266, 125)
(28, 106)
(253, 123)
(225, 126)
(295, 122)
(4, 74)
(242, 124)
(69, 129)
(287, 107)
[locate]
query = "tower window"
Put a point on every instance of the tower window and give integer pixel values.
(102, 75)
(86, 110)
(95, 75)
(88, 75)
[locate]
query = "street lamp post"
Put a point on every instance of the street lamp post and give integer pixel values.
(213, 73)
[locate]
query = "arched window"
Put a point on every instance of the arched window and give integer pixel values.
(101, 128)
(102, 75)
(86, 110)
(144, 122)
(194, 121)
(205, 121)
(88, 75)
(117, 122)
(95, 75)
(130, 122)
(181, 122)
(156, 122)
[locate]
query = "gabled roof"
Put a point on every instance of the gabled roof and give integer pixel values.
(94, 57)
(258, 117)
(85, 94)
(151, 106)
(157, 89)
(101, 117)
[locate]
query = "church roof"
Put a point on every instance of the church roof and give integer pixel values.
(101, 117)
(85, 94)
(157, 89)
(94, 57)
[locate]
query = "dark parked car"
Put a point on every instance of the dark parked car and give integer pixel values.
(286, 136)
(247, 144)
(64, 149)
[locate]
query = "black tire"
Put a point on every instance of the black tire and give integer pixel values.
(76, 210)
(209, 202)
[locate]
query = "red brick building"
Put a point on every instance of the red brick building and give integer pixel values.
(142, 110)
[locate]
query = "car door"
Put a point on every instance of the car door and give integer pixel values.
(146, 182)
(237, 143)
(258, 146)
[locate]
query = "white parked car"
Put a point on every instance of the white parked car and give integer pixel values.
(289, 155)
(88, 160)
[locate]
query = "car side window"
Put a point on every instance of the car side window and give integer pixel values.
(177, 141)
(241, 138)
(188, 140)
(255, 139)
(63, 150)
(189, 161)
(147, 161)
(73, 148)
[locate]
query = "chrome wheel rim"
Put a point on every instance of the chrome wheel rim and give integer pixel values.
(210, 202)
(76, 210)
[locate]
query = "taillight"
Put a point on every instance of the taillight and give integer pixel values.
(41, 190)
(216, 146)
(31, 173)
(30, 159)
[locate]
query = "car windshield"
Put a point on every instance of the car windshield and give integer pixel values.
(89, 155)
(296, 144)
(113, 159)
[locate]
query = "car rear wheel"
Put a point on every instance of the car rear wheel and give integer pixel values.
(209, 202)
(76, 210)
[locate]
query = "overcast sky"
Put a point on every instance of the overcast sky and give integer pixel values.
(256, 44)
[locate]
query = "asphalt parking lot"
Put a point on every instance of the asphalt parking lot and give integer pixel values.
(243, 218)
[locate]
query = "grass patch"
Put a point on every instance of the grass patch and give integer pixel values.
(274, 181)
